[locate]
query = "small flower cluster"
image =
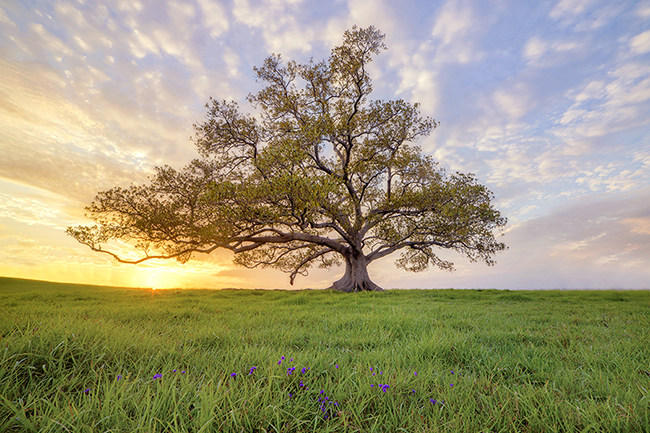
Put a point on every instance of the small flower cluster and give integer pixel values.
(327, 406)
(282, 359)
(385, 387)
(120, 377)
(156, 376)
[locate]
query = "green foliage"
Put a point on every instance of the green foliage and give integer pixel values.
(321, 174)
(523, 361)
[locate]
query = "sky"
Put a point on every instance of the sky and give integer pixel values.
(546, 102)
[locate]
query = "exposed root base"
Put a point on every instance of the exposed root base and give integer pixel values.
(355, 286)
(356, 277)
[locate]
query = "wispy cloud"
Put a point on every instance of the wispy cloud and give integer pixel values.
(455, 24)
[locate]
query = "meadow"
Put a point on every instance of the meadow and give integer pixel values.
(100, 359)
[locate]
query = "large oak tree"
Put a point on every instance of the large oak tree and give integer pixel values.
(322, 175)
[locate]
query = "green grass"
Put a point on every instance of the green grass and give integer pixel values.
(553, 361)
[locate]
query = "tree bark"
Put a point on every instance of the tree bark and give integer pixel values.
(356, 278)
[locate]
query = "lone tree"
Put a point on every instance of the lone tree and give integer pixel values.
(323, 175)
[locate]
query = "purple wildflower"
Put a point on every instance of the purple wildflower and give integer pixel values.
(183, 372)
(233, 374)
(157, 376)
(451, 384)
(433, 401)
(86, 391)
(337, 366)
(119, 376)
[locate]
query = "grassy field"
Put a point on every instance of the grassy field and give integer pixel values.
(94, 359)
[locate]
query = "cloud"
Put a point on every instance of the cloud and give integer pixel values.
(455, 24)
(566, 8)
(515, 101)
(590, 243)
(613, 102)
(641, 43)
(49, 41)
(279, 21)
(643, 10)
(535, 48)
(29, 211)
(417, 77)
(214, 17)
(82, 108)
(4, 18)
(640, 225)
(69, 145)
(596, 232)
(547, 53)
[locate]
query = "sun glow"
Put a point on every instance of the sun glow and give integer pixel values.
(162, 277)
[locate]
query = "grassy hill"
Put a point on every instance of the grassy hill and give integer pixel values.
(90, 358)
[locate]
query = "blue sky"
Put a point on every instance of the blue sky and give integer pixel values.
(548, 103)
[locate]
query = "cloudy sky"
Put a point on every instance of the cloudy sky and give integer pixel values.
(547, 102)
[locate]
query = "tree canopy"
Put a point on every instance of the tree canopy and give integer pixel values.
(321, 175)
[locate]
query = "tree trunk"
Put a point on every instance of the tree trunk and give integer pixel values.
(356, 277)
